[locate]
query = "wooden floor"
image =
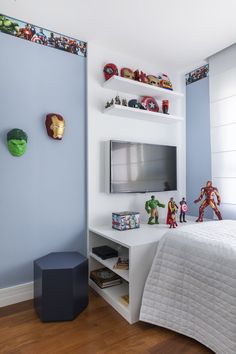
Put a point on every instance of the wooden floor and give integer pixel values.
(99, 329)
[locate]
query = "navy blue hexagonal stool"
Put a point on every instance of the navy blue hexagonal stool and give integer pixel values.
(60, 286)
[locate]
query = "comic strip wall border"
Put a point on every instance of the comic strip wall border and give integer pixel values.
(197, 74)
(42, 36)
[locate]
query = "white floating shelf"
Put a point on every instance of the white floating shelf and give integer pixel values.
(121, 84)
(109, 263)
(129, 112)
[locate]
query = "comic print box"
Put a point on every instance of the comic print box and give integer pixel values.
(125, 220)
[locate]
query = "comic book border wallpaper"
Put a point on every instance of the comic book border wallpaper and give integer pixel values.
(35, 34)
(197, 74)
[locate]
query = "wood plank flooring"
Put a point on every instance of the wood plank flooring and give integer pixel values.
(97, 330)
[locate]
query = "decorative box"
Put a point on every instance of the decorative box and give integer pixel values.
(125, 220)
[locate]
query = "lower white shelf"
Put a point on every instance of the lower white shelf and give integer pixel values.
(112, 295)
(109, 263)
(129, 112)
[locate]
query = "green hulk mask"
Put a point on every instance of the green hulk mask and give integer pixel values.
(17, 142)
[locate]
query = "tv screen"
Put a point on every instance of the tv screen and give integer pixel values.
(140, 168)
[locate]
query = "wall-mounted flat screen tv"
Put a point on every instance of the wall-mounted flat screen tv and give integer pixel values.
(142, 168)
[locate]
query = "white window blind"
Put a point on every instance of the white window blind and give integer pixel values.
(223, 127)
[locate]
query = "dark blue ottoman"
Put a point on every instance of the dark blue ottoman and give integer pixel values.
(60, 286)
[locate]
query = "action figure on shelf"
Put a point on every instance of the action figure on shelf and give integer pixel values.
(117, 100)
(209, 192)
(183, 210)
(151, 208)
(153, 80)
(110, 103)
(165, 106)
(107, 104)
(171, 213)
(140, 76)
(164, 82)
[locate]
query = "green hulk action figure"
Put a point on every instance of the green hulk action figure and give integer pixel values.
(151, 208)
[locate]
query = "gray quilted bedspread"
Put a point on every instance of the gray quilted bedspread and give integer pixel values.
(191, 287)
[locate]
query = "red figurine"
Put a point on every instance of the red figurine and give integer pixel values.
(140, 76)
(171, 213)
(110, 70)
(209, 192)
(165, 106)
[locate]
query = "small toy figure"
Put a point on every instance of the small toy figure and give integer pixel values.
(55, 125)
(117, 100)
(164, 82)
(110, 70)
(172, 221)
(133, 103)
(153, 80)
(127, 73)
(151, 208)
(124, 102)
(171, 213)
(150, 104)
(165, 106)
(141, 77)
(17, 142)
(137, 75)
(107, 104)
(183, 210)
(209, 192)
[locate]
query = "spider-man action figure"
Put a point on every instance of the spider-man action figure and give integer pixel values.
(209, 192)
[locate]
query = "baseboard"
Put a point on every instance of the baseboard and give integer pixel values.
(18, 293)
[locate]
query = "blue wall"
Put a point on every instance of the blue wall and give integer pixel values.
(43, 193)
(198, 144)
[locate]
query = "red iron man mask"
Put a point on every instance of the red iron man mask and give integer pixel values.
(55, 125)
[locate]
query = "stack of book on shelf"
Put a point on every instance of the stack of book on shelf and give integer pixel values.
(122, 263)
(104, 277)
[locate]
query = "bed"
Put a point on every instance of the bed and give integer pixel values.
(191, 287)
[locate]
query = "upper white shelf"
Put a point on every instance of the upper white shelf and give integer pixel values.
(122, 84)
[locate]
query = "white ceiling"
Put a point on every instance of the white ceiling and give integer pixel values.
(177, 32)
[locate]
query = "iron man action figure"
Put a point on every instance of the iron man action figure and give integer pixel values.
(209, 192)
